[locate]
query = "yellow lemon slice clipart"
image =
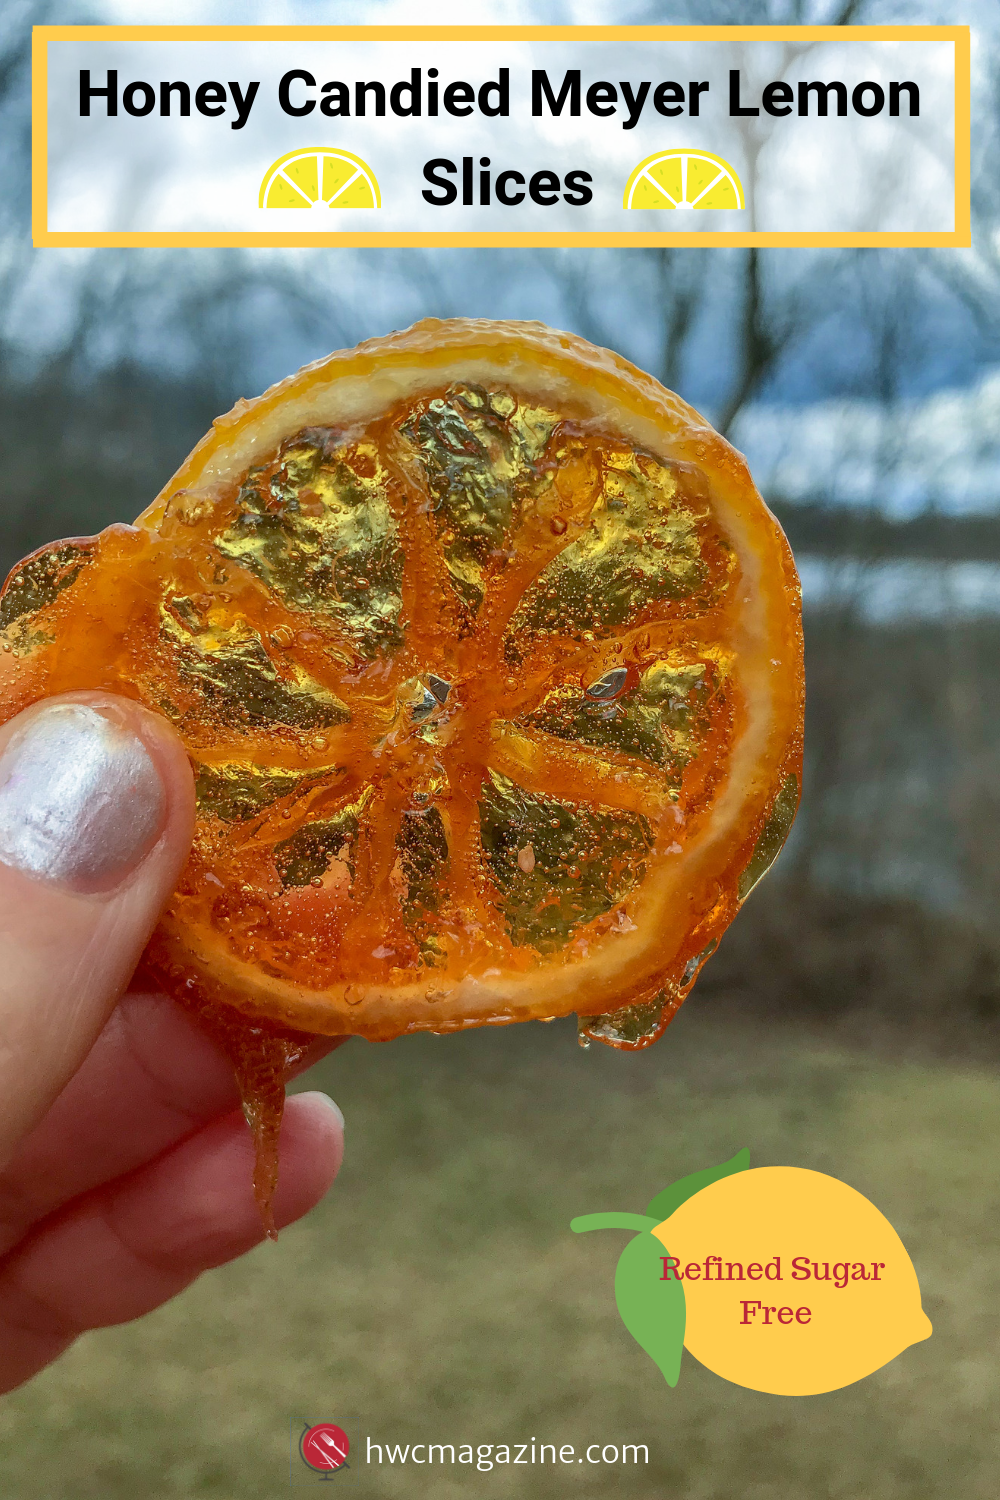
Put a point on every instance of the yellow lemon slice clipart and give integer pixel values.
(319, 177)
(684, 179)
(795, 1284)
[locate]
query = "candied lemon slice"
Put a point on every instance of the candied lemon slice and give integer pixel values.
(488, 657)
(487, 654)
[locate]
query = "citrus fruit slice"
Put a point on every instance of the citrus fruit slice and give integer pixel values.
(684, 179)
(487, 654)
(319, 177)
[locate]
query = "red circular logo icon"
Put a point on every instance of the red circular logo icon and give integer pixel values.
(324, 1447)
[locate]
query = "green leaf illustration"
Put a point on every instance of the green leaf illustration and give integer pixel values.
(671, 1198)
(653, 1310)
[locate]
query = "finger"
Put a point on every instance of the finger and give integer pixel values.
(96, 816)
(132, 1245)
(152, 1078)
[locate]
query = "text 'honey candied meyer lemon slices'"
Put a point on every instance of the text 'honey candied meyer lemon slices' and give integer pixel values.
(487, 655)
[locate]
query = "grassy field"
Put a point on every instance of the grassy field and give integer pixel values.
(438, 1295)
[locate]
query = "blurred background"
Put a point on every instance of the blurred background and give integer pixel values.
(850, 1019)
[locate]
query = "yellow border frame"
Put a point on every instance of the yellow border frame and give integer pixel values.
(960, 36)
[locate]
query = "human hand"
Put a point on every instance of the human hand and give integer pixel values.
(125, 1163)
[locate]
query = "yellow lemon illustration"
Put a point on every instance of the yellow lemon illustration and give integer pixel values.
(684, 179)
(794, 1282)
(319, 177)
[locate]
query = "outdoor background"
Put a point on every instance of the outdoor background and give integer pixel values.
(849, 1021)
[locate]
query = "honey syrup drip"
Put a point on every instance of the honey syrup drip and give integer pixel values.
(264, 1057)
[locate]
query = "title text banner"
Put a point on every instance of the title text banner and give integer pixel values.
(492, 136)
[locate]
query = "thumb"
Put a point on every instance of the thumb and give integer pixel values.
(96, 817)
